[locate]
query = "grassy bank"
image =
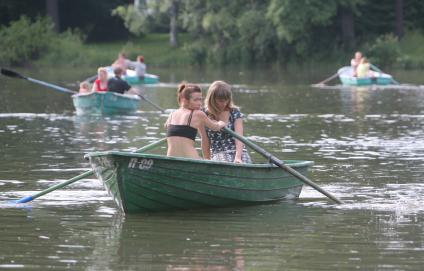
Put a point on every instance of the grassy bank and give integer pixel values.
(157, 52)
(154, 47)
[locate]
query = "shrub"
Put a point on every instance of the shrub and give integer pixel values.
(25, 40)
(385, 51)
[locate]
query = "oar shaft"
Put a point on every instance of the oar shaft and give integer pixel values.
(151, 145)
(280, 164)
(57, 186)
(328, 79)
(152, 103)
(50, 85)
(81, 176)
(380, 71)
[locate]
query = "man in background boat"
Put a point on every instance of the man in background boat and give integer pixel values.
(117, 84)
(354, 63)
(139, 67)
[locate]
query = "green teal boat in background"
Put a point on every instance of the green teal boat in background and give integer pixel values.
(379, 78)
(133, 79)
(148, 182)
(105, 103)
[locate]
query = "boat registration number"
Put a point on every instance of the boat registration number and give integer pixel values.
(143, 164)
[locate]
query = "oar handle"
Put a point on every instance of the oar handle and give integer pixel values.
(280, 164)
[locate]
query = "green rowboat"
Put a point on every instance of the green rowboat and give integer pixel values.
(379, 78)
(148, 182)
(105, 103)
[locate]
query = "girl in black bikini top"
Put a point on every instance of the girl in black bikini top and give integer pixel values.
(181, 130)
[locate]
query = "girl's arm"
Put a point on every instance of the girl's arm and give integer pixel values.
(211, 124)
(167, 121)
(238, 128)
(205, 143)
(94, 88)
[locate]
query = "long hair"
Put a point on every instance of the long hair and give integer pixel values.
(221, 91)
(185, 90)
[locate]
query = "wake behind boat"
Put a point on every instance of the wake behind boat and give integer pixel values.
(105, 103)
(377, 78)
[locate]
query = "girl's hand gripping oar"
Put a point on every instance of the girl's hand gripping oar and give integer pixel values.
(81, 176)
(280, 164)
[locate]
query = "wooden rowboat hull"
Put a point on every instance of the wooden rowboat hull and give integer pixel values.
(347, 78)
(146, 182)
(105, 103)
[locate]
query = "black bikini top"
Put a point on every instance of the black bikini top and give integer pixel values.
(182, 130)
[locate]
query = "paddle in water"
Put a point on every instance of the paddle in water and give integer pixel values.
(323, 82)
(81, 176)
(380, 71)
(280, 164)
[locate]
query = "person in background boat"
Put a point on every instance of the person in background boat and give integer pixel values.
(117, 84)
(121, 62)
(139, 67)
(100, 84)
(354, 62)
(182, 125)
(363, 69)
(217, 145)
(84, 87)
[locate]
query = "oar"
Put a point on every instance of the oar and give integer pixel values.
(327, 80)
(380, 71)
(280, 164)
(152, 103)
(91, 79)
(81, 176)
(14, 74)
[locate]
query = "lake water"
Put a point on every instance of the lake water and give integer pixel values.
(367, 145)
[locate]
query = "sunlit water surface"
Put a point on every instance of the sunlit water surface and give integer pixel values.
(367, 145)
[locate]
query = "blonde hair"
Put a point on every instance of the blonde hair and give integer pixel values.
(101, 69)
(185, 90)
(222, 91)
(85, 85)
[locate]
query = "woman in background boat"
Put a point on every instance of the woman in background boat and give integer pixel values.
(100, 84)
(182, 125)
(354, 63)
(363, 69)
(218, 145)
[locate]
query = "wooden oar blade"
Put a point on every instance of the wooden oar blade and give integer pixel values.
(10, 73)
(24, 199)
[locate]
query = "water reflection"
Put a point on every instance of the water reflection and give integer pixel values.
(368, 150)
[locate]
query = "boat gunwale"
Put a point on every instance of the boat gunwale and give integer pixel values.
(342, 72)
(291, 163)
(126, 96)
